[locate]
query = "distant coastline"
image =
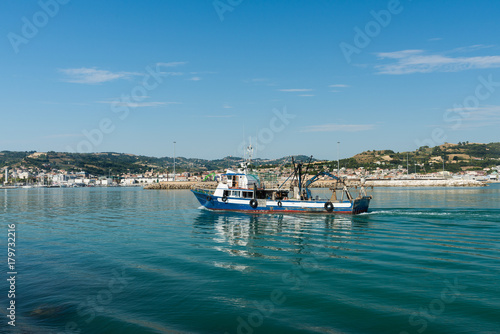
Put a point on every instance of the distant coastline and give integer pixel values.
(183, 185)
(178, 185)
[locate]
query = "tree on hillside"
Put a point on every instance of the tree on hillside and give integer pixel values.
(437, 151)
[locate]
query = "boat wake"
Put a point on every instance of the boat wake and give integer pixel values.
(406, 212)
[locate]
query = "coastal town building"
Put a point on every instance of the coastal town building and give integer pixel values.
(23, 176)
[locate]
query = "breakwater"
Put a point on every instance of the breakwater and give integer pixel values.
(329, 183)
(176, 185)
(425, 183)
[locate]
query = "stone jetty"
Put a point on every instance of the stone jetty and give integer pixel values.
(425, 183)
(329, 183)
(176, 185)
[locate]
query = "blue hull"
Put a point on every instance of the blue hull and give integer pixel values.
(216, 203)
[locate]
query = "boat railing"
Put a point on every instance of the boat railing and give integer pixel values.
(203, 191)
(268, 180)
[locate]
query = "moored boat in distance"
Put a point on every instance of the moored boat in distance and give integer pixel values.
(240, 190)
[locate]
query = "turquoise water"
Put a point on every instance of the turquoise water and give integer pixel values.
(127, 260)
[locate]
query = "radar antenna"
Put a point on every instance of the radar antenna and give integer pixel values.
(250, 153)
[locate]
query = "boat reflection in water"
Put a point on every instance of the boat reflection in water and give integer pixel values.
(243, 229)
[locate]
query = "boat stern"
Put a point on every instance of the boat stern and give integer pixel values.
(361, 205)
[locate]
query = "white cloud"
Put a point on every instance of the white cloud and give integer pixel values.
(471, 48)
(416, 61)
(338, 127)
(478, 117)
(160, 67)
(295, 90)
(307, 95)
(339, 86)
(485, 113)
(195, 79)
(93, 76)
(259, 80)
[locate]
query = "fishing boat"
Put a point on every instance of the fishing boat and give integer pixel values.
(241, 190)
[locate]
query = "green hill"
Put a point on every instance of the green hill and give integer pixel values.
(456, 157)
(119, 163)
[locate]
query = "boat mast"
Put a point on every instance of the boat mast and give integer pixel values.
(307, 169)
(299, 170)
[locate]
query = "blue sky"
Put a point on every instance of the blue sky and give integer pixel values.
(292, 77)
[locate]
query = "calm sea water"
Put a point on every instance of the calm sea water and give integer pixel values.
(97, 260)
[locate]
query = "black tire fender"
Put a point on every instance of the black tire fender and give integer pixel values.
(224, 199)
(329, 206)
(253, 203)
(209, 198)
(280, 204)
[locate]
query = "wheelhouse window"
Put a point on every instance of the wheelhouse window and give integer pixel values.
(226, 193)
(247, 194)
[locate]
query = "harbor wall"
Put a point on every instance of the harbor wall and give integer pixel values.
(176, 185)
(425, 183)
(171, 185)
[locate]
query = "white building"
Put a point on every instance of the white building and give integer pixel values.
(23, 175)
(104, 182)
(79, 180)
(59, 178)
